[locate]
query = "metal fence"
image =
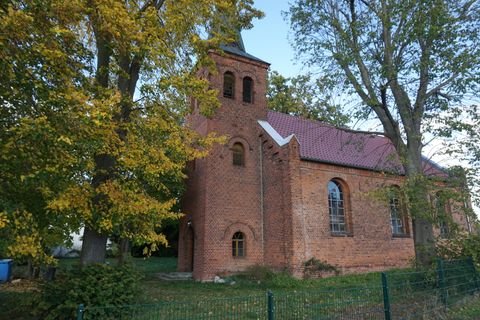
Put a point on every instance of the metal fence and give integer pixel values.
(425, 294)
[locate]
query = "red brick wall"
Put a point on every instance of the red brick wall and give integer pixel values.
(300, 219)
(276, 204)
(370, 244)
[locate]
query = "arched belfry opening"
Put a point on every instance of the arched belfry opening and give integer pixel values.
(229, 85)
(189, 247)
(247, 90)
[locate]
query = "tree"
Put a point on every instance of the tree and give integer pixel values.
(41, 85)
(463, 125)
(406, 61)
(299, 96)
(108, 83)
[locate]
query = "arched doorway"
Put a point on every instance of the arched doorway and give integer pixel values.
(189, 248)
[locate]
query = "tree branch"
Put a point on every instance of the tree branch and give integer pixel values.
(369, 6)
(364, 74)
(466, 7)
(438, 88)
(424, 70)
(159, 4)
(134, 74)
(401, 97)
(369, 97)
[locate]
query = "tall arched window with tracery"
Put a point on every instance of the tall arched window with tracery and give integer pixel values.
(398, 215)
(336, 207)
(442, 211)
(238, 244)
(228, 85)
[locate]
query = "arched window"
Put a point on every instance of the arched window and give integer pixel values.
(238, 154)
(398, 217)
(336, 207)
(228, 85)
(238, 245)
(442, 211)
(247, 90)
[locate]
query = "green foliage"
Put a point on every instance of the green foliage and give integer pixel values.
(419, 277)
(170, 228)
(283, 280)
(300, 96)
(467, 310)
(461, 245)
(95, 286)
(16, 301)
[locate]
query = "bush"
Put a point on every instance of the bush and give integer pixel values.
(314, 268)
(94, 286)
(462, 245)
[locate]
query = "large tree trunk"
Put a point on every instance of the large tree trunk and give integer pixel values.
(127, 82)
(419, 205)
(424, 241)
(124, 254)
(94, 247)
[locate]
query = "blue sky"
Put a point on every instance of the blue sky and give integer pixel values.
(268, 39)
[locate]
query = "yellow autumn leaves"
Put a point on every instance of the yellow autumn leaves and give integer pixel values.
(3, 220)
(84, 80)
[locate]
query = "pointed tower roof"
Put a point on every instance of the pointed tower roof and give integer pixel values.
(238, 48)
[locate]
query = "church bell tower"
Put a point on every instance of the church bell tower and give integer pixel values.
(222, 230)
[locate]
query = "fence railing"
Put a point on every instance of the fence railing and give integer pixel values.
(397, 295)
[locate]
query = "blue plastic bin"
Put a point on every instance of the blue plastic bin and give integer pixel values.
(5, 269)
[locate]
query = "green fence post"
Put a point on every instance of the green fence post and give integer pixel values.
(475, 273)
(386, 297)
(270, 305)
(80, 311)
(441, 282)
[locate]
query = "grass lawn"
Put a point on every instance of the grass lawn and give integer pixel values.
(155, 290)
(16, 299)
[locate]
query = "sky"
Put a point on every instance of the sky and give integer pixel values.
(268, 39)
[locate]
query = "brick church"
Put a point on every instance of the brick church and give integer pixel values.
(284, 189)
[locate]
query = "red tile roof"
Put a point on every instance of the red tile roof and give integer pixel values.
(325, 143)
